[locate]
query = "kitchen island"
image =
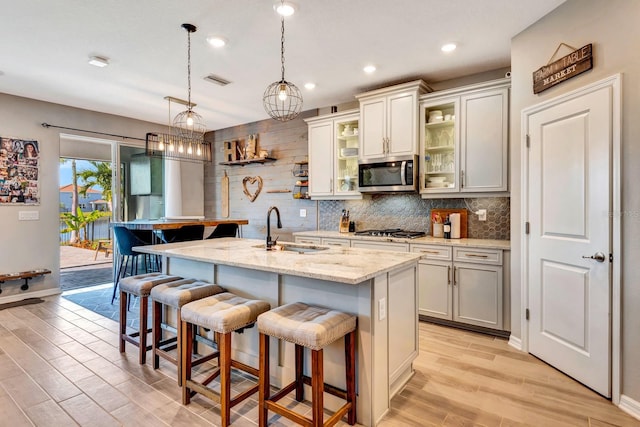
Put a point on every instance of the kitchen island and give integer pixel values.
(379, 287)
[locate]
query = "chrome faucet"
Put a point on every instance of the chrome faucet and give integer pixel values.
(270, 243)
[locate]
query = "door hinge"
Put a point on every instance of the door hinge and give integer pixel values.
(528, 142)
(526, 227)
(526, 314)
(610, 257)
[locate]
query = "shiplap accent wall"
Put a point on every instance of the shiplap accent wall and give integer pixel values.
(287, 142)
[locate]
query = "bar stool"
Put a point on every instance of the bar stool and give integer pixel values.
(175, 295)
(139, 286)
(223, 313)
(315, 328)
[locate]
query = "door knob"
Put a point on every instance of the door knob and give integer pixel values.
(598, 256)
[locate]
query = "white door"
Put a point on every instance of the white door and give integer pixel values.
(568, 210)
(402, 128)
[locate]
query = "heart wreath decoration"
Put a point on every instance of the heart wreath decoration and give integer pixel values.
(252, 180)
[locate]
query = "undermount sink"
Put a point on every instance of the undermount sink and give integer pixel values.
(292, 247)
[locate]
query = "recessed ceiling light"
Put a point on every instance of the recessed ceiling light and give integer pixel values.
(310, 86)
(98, 61)
(369, 69)
(285, 8)
(217, 41)
(449, 47)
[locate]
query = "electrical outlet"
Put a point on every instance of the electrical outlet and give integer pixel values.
(303, 213)
(482, 214)
(382, 308)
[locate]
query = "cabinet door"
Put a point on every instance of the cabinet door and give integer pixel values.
(402, 126)
(373, 128)
(321, 159)
(477, 295)
(484, 141)
(435, 289)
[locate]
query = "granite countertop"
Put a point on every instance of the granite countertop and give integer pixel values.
(426, 240)
(336, 264)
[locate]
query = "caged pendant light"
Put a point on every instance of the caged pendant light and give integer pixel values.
(188, 123)
(282, 100)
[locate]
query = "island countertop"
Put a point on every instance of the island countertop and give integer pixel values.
(337, 264)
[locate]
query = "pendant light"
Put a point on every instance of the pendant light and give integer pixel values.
(189, 124)
(282, 100)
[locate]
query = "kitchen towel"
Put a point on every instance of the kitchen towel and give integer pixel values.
(454, 219)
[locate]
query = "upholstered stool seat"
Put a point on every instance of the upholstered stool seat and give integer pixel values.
(314, 328)
(222, 313)
(175, 294)
(139, 286)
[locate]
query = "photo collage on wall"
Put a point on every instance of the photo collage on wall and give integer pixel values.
(19, 171)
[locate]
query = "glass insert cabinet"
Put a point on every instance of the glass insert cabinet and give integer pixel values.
(440, 145)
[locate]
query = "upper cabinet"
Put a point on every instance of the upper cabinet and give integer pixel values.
(333, 156)
(464, 140)
(389, 120)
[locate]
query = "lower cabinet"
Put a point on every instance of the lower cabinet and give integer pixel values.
(477, 295)
(466, 292)
(460, 284)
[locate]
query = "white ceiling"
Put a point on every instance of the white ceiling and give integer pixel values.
(45, 46)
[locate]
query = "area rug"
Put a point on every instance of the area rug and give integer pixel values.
(25, 301)
(98, 300)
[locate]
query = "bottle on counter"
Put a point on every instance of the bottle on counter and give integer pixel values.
(447, 228)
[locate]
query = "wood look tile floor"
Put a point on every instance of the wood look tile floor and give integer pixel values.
(60, 366)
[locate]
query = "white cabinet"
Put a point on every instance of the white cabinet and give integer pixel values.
(333, 156)
(464, 286)
(464, 140)
(477, 294)
(389, 120)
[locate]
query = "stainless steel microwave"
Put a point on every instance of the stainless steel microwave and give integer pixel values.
(391, 174)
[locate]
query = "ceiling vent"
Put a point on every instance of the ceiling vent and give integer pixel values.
(217, 80)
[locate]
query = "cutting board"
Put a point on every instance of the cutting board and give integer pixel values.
(224, 195)
(443, 214)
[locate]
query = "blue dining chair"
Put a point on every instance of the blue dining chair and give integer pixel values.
(125, 241)
(183, 234)
(224, 230)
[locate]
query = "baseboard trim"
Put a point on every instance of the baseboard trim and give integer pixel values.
(515, 342)
(630, 406)
(35, 294)
(465, 326)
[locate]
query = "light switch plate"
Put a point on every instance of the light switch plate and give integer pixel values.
(28, 215)
(303, 213)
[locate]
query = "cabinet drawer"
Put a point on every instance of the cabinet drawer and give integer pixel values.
(381, 246)
(433, 251)
(309, 240)
(476, 255)
(336, 242)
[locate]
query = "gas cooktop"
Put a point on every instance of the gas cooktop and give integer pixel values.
(391, 232)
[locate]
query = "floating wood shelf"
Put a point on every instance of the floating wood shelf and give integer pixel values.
(248, 161)
(23, 275)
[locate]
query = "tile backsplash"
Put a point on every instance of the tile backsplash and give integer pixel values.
(411, 212)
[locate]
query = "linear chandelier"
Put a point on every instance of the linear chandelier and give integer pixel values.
(177, 147)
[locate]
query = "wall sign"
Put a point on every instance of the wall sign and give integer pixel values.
(19, 172)
(577, 62)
